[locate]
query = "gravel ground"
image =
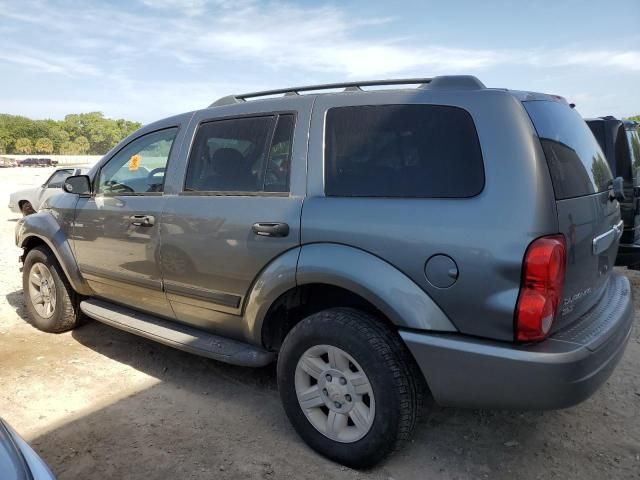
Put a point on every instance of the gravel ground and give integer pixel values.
(100, 403)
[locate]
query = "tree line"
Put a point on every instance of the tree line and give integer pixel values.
(79, 133)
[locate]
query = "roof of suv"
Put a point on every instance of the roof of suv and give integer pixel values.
(445, 82)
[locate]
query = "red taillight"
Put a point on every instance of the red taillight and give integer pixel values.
(541, 289)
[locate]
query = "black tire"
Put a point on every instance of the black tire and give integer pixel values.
(397, 384)
(27, 209)
(66, 313)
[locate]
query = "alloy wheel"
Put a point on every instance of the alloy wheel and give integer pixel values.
(42, 290)
(334, 393)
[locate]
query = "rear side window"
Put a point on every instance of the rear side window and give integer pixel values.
(624, 162)
(251, 154)
(577, 165)
(427, 151)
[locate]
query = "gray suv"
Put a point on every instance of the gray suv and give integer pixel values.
(381, 244)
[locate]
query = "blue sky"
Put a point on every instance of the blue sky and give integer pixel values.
(147, 59)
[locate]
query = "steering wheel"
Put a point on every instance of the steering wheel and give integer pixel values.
(152, 181)
(115, 187)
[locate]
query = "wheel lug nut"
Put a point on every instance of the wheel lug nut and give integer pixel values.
(343, 381)
(328, 377)
(324, 391)
(347, 397)
(338, 405)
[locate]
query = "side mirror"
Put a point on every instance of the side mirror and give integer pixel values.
(617, 187)
(78, 184)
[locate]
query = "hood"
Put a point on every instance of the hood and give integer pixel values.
(18, 461)
(21, 194)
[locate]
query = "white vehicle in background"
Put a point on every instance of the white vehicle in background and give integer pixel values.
(28, 201)
(7, 162)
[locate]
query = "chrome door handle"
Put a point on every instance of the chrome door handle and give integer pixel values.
(270, 229)
(142, 220)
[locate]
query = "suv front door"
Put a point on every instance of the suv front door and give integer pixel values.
(237, 208)
(116, 230)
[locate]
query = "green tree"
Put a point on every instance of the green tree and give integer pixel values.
(635, 148)
(82, 144)
(44, 145)
(68, 148)
(101, 133)
(601, 172)
(23, 145)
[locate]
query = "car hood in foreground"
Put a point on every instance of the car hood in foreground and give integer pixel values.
(18, 461)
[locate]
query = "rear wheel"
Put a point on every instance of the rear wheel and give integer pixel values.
(27, 209)
(349, 386)
(50, 300)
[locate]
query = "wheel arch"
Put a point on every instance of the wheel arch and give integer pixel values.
(42, 229)
(331, 275)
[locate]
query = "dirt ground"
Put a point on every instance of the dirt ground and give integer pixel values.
(100, 403)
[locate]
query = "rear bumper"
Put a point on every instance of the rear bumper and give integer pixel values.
(559, 372)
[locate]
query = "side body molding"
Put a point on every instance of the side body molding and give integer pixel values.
(46, 227)
(377, 281)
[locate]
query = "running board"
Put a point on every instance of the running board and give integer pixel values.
(177, 335)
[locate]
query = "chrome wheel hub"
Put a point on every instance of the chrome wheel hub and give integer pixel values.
(334, 393)
(42, 290)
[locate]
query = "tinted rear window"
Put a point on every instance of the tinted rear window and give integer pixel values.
(577, 165)
(402, 151)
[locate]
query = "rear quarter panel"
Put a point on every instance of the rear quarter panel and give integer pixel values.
(486, 235)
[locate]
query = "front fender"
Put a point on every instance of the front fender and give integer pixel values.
(380, 283)
(45, 227)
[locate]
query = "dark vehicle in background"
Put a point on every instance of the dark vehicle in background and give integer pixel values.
(18, 461)
(37, 162)
(620, 142)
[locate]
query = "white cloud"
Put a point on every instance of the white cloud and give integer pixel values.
(38, 61)
(320, 39)
(147, 50)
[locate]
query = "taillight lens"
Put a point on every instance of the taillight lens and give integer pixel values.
(541, 289)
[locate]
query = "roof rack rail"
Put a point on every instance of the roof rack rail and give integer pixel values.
(348, 86)
(445, 81)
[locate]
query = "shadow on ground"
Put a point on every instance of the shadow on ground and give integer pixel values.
(16, 300)
(206, 419)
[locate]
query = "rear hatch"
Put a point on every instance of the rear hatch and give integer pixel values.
(587, 217)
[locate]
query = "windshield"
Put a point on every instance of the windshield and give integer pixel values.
(577, 165)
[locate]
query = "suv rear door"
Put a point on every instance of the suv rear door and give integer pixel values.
(588, 218)
(237, 207)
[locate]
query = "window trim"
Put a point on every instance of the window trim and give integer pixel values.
(404, 197)
(96, 180)
(241, 193)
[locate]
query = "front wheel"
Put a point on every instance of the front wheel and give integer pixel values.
(349, 386)
(50, 300)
